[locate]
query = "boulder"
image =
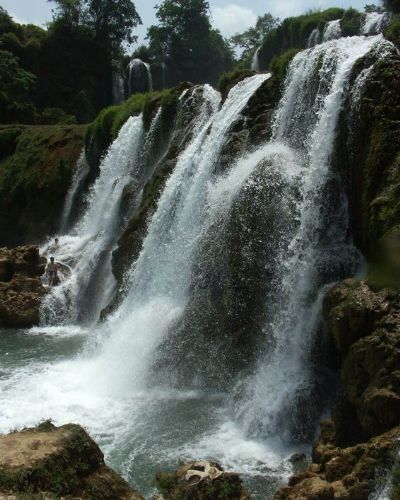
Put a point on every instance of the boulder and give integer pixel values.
(200, 481)
(57, 462)
(21, 290)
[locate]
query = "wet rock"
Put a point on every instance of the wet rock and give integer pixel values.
(352, 310)
(21, 290)
(200, 481)
(343, 473)
(57, 462)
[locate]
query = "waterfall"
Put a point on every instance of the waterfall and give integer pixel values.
(149, 77)
(255, 63)
(319, 251)
(270, 225)
(314, 38)
(87, 248)
(375, 23)
(80, 173)
(332, 31)
(140, 78)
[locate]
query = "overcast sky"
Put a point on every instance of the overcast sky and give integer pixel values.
(229, 16)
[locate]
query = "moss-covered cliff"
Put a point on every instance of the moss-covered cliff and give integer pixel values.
(36, 164)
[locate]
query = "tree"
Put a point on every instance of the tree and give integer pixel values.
(248, 41)
(392, 5)
(16, 86)
(371, 7)
(111, 21)
(185, 40)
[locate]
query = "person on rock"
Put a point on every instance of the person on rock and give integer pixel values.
(52, 272)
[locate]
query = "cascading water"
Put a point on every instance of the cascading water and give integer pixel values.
(87, 248)
(78, 179)
(139, 77)
(375, 23)
(314, 38)
(144, 423)
(332, 31)
(255, 63)
(319, 252)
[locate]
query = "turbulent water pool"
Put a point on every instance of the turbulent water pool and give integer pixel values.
(140, 433)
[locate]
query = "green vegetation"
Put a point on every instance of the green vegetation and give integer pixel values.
(36, 165)
(392, 32)
(251, 39)
(186, 42)
(392, 5)
(293, 33)
(230, 78)
(67, 67)
(104, 129)
(280, 64)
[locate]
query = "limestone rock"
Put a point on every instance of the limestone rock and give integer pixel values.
(343, 473)
(200, 481)
(21, 290)
(351, 310)
(57, 462)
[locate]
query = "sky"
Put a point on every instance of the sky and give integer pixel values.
(229, 16)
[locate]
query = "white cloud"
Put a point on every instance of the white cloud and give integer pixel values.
(232, 19)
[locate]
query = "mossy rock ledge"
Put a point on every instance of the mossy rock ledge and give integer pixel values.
(57, 462)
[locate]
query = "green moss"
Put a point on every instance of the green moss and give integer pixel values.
(105, 128)
(392, 32)
(294, 32)
(35, 171)
(351, 22)
(280, 64)
(230, 79)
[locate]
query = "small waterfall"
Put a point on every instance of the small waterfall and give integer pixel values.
(88, 247)
(314, 38)
(164, 70)
(255, 63)
(78, 179)
(375, 23)
(140, 78)
(149, 76)
(332, 31)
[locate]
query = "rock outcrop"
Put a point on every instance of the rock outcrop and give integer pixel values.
(57, 462)
(201, 481)
(365, 328)
(21, 289)
(342, 473)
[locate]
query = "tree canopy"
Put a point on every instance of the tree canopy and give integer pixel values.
(111, 21)
(392, 5)
(186, 40)
(248, 41)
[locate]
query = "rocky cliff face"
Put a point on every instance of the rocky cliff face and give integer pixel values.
(21, 289)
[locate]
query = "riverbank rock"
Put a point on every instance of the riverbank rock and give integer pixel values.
(201, 481)
(21, 290)
(57, 462)
(343, 473)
